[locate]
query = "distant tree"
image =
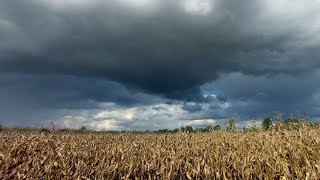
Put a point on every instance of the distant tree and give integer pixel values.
(83, 128)
(202, 130)
(216, 128)
(189, 129)
(164, 130)
(175, 130)
(231, 124)
(267, 123)
(209, 128)
(291, 120)
(186, 129)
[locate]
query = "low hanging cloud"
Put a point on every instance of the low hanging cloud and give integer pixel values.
(80, 54)
(137, 118)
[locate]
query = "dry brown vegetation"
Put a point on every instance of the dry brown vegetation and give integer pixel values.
(290, 154)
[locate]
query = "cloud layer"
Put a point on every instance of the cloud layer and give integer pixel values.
(237, 57)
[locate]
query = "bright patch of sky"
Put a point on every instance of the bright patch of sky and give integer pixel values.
(201, 7)
(137, 2)
(155, 117)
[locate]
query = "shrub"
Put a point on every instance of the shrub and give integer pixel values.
(267, 123)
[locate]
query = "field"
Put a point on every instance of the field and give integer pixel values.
(275, 154)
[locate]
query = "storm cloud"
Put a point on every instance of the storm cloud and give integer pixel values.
(211, 57)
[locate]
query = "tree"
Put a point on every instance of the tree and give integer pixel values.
(291, 120)
(267, 123)
(187, 129)
(216, 128)
(209, 128)
(175, 130)
(231, 124)
(164, 130)
(83, 128)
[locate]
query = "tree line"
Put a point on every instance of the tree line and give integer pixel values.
(231, 125)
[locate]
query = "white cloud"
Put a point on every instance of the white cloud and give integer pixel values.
(137, 2)
(201, 7)
(72, 121)
(202, 122)
(6, 25)
(300, 17)
(251, 123)
(155, 117)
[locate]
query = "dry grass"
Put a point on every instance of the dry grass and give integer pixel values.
(283, 154)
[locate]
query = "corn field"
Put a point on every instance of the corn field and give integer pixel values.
(275, 154)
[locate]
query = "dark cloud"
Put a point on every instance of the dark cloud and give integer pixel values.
(27, 98)
(167, 51)
(75, 92)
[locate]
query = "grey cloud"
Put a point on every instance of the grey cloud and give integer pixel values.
(259, 95)
(27, 98)
(192, 107)
(165, 51)
(136, 118)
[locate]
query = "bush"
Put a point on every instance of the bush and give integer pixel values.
(267, 123)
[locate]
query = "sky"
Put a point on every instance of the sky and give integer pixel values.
(156, 64)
